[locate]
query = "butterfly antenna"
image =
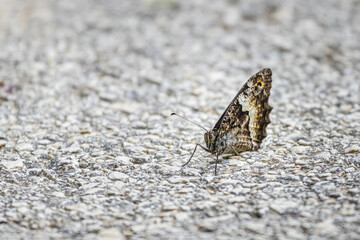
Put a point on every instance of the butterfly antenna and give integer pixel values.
(189, 121)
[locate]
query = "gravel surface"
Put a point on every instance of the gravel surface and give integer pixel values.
(89, 150)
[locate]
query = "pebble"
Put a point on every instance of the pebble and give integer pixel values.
(300, 162)
(110, 234)
(326, 226)
(2, 143)
(282, 205)
(74, 148)
(118, 176)
(177, 180)
(238, 199)
(126, 107)
(300, 150)
(348, 209)
(185, 190)
(169, 206)
(108, 96)
(12, 164)
(24, 147)
(83, 164)
(123, 160)
(255, 227)
(207, 227)
(3, 135)
(281, 151)
(240, 190)
(304, 142)
(352, 149)
(58, 194)
(323, 155)
(141, 159)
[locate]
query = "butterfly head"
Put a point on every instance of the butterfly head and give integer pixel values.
(210, 139)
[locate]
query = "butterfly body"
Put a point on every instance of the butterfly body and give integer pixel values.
(242, 126)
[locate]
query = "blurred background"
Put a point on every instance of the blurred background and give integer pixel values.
(185, 52)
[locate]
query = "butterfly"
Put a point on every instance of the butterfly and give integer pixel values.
(242, 126)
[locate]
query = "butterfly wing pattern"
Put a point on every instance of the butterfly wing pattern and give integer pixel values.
(242, 126)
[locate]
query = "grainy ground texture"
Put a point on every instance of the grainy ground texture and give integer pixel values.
(88, 148)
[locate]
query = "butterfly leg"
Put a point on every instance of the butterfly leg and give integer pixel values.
(194, 153)
(235, 151)
(217, 159)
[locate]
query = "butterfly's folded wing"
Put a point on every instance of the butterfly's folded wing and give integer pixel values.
(243, 124)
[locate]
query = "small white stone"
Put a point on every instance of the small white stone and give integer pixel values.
(24, 147)
(352, 149)
(304, 142)
(177, 179)
(237, 199)
(282, 205)
(58, 194)
(300, 150)
(326, 226)
(2, 143)
(23, 210)
(348, 209)
(118, 176)
(12, 164)
(281, 151)
(300, 162)
(257, 227)
(169, 206)
(126, 107)
(2, 135)
(181, 216)
(108, 96)
(110, 234)
(323, 155)
(185, 190)
(123, 160)
(74, 148)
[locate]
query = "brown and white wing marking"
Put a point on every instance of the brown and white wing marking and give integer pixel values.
(242, 126)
